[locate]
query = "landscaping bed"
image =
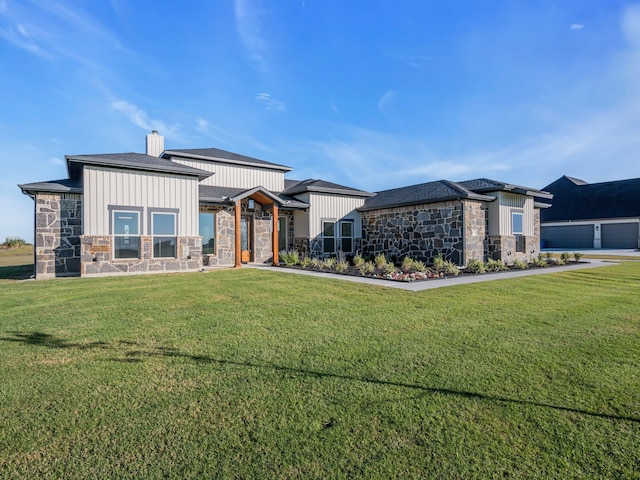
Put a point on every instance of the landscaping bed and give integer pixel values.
(412, 270)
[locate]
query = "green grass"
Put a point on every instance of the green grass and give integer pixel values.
(16, 263)
(256, 374)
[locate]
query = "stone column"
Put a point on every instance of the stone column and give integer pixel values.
(238, 258)
(274, 234)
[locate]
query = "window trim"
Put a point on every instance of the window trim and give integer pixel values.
(113, 209)
(519, 236)
(215, 231)
(352, 237)
(163, 211)
(334, 237)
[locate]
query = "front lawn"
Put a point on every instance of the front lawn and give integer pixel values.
(258, 374)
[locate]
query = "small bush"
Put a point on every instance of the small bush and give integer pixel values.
(451, 268)
(305, 262)
(565, 256)
(475, 266)
(548, 256)
(316, 262)
(367, 268)
(540, 261)
(14, 242)
(419, 266)
(380, 261)
(328, 263)
(358, 261)
(496, 265)
(341, 266)
(289, 258)
(577, 256)
(389, 268)
(407, 264)
(439, 263)
(519, 264)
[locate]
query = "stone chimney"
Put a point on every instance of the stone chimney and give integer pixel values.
(155, 144)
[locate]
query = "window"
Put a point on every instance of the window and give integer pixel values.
(346, 236)
(282, 233)
(163, 228)
(126, 234)
(328, 237)
(208, 233)
(516, 228)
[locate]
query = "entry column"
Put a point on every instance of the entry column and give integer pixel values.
(238, 247)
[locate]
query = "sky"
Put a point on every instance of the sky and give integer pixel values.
(373, 94)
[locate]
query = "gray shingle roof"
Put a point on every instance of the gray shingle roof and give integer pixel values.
(431, 192)
(575, 199)
(223, 196)
(322, 186)
(66, 185)
(136, 161)
(485, 185)
(215, 154)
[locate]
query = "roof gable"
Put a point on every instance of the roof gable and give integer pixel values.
(322, 186)
(223, 156)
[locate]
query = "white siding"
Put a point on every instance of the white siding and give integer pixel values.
(107, 186)
(500, 213)
(237, 176)
(336, 207)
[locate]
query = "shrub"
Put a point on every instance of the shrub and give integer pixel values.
(439, 263)
(305, 262)
(496, 265)
(289, 258)
(475, 266)
(548, 256)
(389, 268)
(407, 264)
(540, 261)
(341, 266)
(519, 264)
(358, 261)
(14, 242)
(380, 261)
(328, 263)
(367, 268)
(316, 262)
(419, 266)
(451, 268)
(565, 256)
(577, 256)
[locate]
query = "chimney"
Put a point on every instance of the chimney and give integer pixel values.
(155, 144)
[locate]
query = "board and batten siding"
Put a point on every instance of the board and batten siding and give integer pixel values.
(237, 176)
(334, 207)
(106, 186)
(500, 213)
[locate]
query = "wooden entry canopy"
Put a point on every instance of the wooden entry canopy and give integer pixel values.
(265, 198)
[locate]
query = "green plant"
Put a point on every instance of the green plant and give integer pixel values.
(419, 266)
(577, 256)
(519, 264)
(407, 264)
(358, 261)
(439, 264)
(289, 258)
(14, 242)
(316, 263)
(380, 261)
(565, 256)
(451, 268)
(496, 265)
(475, 266)
(540, 261)
(328, 263)
(341, 266)
(305, 262)
(367, 268)
(548, 256)
(389, 268)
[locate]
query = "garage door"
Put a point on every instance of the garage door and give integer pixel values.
(620, 235)
(570, 236)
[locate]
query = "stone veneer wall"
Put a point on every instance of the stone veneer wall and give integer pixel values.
(419, 231)
(225, 237)
(97, 258)
(58, 218)
(475, 231)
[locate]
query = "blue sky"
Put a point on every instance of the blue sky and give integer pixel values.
(373, 94)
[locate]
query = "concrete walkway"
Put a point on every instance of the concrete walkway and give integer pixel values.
(442, 282)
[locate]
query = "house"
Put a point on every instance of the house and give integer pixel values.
(592, 215)
(180, 210)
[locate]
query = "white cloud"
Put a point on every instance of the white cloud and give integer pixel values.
(139, 117)
(57, 161)
(576, 26)
(385, 103)
(249, 25)
(269, 103)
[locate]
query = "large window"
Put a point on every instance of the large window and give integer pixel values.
(163, 228)
(346, 236)
(126, 234)
(328, 237)
(516, 228)
(208, 233)
(282, 233)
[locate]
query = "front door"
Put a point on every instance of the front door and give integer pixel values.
(246, 238)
